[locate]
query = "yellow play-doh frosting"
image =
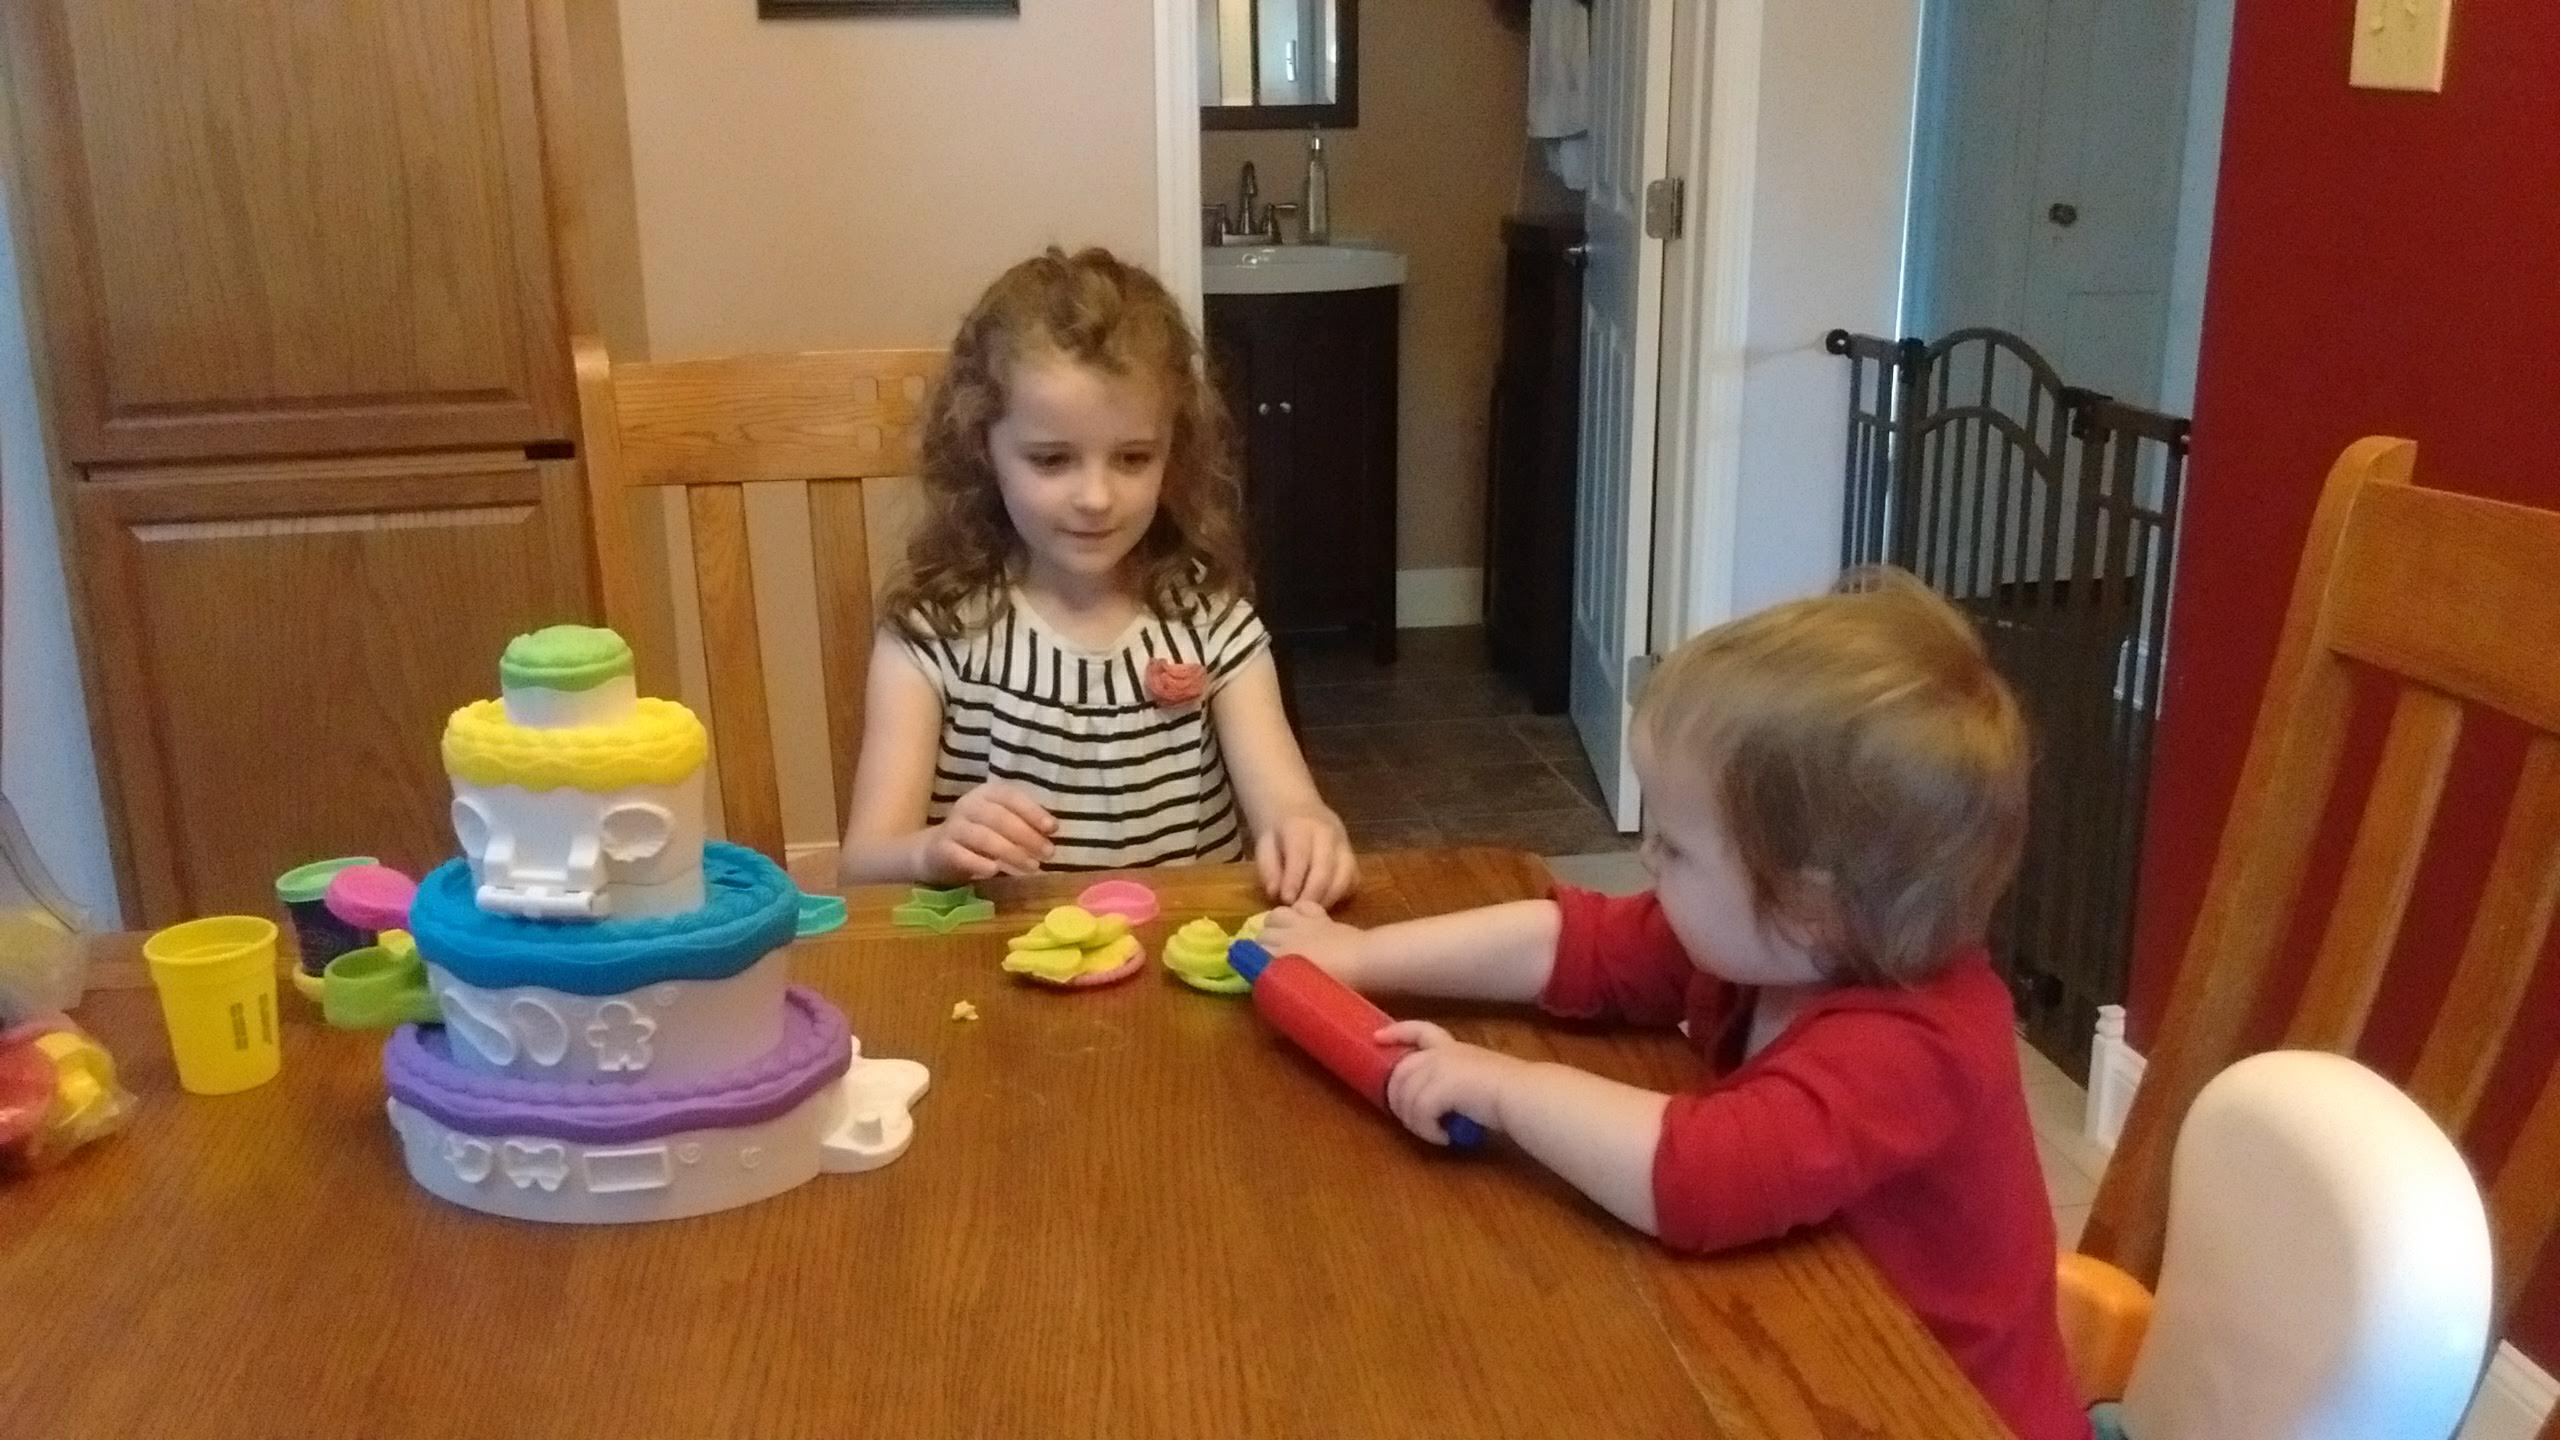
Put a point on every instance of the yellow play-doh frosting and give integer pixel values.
(659, 743)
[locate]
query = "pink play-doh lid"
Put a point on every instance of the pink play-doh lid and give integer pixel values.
(1127, 899)
(371, 897)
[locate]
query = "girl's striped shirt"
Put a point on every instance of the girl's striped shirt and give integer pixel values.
(1116, 743)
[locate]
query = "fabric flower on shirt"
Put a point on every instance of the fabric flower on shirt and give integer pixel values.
(1176, 683)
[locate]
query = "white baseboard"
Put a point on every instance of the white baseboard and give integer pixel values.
(1450, 596)
(2515, 1398)
(2115, 1071)
(2516, 1395)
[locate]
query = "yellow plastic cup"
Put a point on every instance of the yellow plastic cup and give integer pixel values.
(217, 984)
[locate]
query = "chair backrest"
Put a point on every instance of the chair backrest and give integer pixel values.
(835, 419)
(2327, 1269)
(2454, 599)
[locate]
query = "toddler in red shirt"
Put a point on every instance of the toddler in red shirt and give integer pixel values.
(1836, 794)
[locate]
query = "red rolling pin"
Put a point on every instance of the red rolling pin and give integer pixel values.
(1330, 1021)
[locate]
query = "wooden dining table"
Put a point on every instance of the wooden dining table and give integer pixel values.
(1127, 1212)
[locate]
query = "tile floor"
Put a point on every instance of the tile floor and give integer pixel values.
(1438, 749)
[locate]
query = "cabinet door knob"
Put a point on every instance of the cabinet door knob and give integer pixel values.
(1262, 409)
(1285, 407)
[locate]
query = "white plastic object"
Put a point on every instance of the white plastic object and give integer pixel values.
(667, 1177)
(582, 854)
(539, 707)
(877, 1099)
(2327, 1268)
(673, 1030)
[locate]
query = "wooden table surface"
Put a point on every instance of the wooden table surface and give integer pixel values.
(1129, 1212)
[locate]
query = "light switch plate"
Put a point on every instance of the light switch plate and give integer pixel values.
(2400, 44)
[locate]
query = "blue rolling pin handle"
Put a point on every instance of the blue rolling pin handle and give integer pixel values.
(1463, 1133)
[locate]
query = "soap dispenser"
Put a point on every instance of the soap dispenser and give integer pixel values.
(1315, 209)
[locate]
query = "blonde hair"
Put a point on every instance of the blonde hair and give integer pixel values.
(1096, 310)
(1860, 746)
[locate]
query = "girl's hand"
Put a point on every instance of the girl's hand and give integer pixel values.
(995, 829)
(1443, 1075)
(1339, 950)
(1306, 857)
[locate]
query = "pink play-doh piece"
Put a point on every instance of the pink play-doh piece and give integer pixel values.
(1127, 899)
(371, 897)
(1112, 976)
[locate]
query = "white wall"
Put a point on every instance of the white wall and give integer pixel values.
(1828, 217)
(46, 768)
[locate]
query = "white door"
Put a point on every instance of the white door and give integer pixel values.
(2047, 193)
(1621, 365)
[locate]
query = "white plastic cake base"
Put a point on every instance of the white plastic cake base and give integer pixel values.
(861, 1122)
(673, 1030)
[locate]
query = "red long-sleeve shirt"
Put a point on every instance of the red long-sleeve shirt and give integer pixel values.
(1896, 1114)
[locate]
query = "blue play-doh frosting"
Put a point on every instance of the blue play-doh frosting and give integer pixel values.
(749, 910)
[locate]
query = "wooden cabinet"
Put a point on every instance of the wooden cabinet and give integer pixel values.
(281, 228)
(1533, 459)
(300, 280)
(1311, 380)
(281, 643)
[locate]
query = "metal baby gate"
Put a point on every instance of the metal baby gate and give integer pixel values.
(2049, 514)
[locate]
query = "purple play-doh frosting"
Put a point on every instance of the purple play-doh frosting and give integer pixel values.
(816, 1048)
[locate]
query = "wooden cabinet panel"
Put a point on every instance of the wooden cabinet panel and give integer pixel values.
(1312, 381)
(271, 227)
(279, 646)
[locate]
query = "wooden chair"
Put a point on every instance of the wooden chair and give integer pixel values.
(2455, 599)
(835, 419)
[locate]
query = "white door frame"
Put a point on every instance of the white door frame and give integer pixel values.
(1715, 128)
(1178, 151)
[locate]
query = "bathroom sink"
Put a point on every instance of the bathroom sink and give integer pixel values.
(1297, 269)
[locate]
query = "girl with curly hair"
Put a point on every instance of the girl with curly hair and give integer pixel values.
(1072, 676)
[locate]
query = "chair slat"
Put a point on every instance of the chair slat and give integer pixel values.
(2524, 1201)
(841, 552)
(2391, 841)
(2507, 934)
(750, 796)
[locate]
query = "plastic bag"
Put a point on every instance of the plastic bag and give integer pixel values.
(58, 1092)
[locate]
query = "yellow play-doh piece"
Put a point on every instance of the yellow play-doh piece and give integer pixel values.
(1059, 964)
(963, 1010)
(1197, 955)
(1069, 924)
(1251, 929)
(659, 743)
(1112, 956)
(1107, 930)
(1035, 938)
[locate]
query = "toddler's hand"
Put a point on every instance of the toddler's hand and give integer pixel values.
(995, 829)
(1306, 857)
(1443, 1075)
(1337, 949)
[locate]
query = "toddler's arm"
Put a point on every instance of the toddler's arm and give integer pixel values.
(1501, 952)
(1598, 1134)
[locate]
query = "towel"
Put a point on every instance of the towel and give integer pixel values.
(1560, 87)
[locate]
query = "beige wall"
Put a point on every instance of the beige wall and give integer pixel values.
(808, 183)
(821, 183)
(1431, 169)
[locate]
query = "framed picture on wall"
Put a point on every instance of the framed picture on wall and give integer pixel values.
(805, 9)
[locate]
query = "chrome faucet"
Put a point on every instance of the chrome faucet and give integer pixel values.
(1253, 223)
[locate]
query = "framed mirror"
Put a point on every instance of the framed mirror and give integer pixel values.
(1279, 64)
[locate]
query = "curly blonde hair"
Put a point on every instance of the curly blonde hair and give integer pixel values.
(1096, 310)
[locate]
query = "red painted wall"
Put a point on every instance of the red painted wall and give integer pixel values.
(2382, 264)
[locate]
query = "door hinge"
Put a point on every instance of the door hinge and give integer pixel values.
(1640, 670)
(1666, 202)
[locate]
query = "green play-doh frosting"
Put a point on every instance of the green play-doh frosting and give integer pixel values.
(564, 657)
